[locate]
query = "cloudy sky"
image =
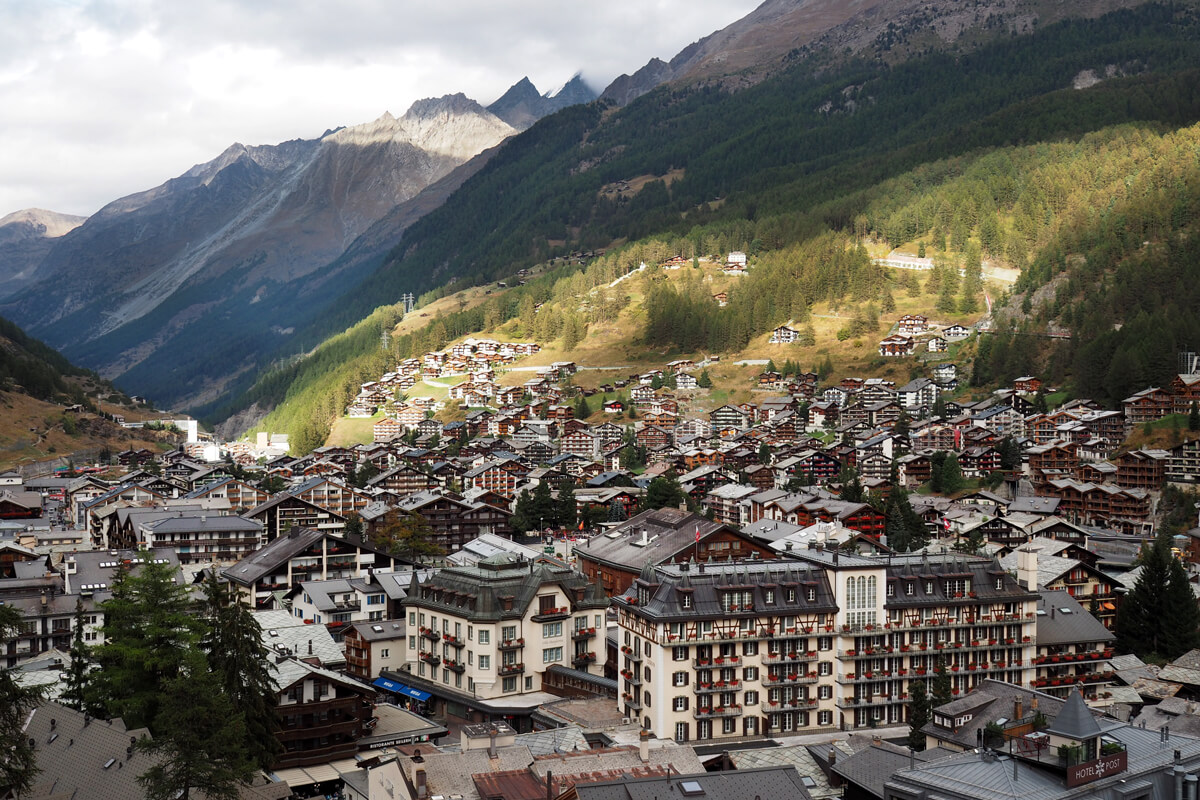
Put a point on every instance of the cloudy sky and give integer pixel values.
(102, 98)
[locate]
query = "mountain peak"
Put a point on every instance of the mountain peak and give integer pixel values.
(521, 105)
(457, 104)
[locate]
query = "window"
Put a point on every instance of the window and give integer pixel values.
(385, 653)
(891, 589)
(750, 674)
(999, 583)
(687, 600)
(374, 599)
(751, 698)
(825, 668)
(824, 717)
(729, 725)
(824, 642)
(703, 729)
(679, 654)
(750, 649)
(909, 588)
(680, 704)
(551, 629)
(551, 654)
(791, 595)
(811, 594)
(860, 600)
(508, 633)
(769, 595)
(509, 685)
(928, 587)
(485, 662)
(485, 637)
(528, 684)
(681, 731)
(412, 643)
(824, 692)
(679, 679)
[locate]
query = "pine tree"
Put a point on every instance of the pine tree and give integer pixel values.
(918, 713)
(148, 633)
(75, 691)
(236, 656)
(705, 380)
(942, 688)
(566, 512)
(663, 492)
(18, 767)
(1159, 615)
(952, 477)
(582, 409)
(200, 737)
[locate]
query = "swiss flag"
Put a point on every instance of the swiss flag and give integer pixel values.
(697, 532)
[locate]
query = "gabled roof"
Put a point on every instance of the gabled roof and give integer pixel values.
(1075, 721)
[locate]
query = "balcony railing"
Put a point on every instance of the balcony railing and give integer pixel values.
(773, 706)
(718, 711)
(430, 658)
(551, 614)
(455, 666)
(790, 679)
(579, 634)
(511, 644)
(431, 634)
(583, 658)
(511, 669)
(790, 657)
(717, 662)
(718, 686)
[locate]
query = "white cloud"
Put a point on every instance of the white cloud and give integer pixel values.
(102, 98)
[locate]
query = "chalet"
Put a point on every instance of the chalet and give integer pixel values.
(686, 382)
(453, 519)
(1185, 392)
(784, 334)
(1142, 469)
(937, 345)
(912, 324)
(494, 476)
(721, 299)
(613, 407)
(1183, 464)
(1027, 384)
(1147, 405)
(729, 417)
(956, 333)
(652, 436)
(918, 393)
(897, 346)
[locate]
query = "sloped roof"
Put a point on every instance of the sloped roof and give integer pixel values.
(1075, 721)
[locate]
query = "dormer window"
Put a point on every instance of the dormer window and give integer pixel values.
(769, 595)
(686, 601)
(909, 588)
(999, 583)
(811, 594)
(791, 595)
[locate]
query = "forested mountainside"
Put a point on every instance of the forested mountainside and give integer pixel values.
(784, 145)
(954, 149)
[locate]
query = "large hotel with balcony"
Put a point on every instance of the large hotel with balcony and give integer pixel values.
(823, 641)
(495, 640)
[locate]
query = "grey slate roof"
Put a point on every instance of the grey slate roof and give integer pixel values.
(73, 764)
(871, 767)
(1075, 721)
(1062, 620)
(766, 783)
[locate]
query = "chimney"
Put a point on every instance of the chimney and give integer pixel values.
(1027, 568)
(310, 647)
(644, 746)
(549, 785)
(1018, 709)
(422, 789)
(492, 742)
(1033, 701)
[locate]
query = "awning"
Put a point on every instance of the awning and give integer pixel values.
(400, 688)
(1107, 606)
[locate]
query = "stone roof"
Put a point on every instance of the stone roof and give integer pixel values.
(1075, 721)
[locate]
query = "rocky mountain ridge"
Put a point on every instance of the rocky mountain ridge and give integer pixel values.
(26, 237)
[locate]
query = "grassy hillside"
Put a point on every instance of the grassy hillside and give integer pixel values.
(37, 384)
(983, 157)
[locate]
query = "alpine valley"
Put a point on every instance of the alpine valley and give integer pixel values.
(1055, 141)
